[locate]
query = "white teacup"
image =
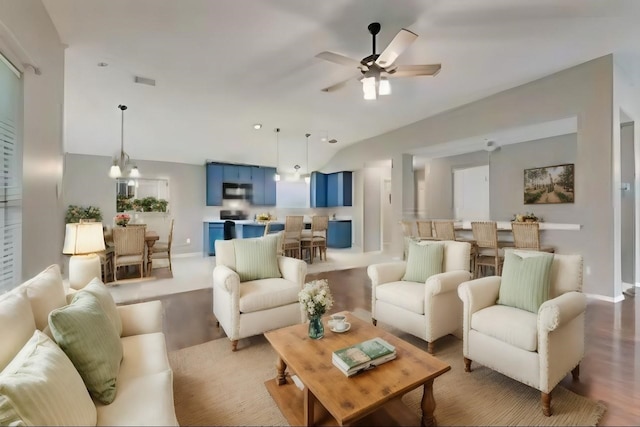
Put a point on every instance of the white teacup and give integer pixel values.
(339, 322)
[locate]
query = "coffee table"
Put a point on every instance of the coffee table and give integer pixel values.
(330, 397)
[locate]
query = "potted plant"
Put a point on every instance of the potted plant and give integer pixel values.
(75, 213)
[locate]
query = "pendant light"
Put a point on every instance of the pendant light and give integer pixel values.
(277, 175)
(307, 177)
(122, 165)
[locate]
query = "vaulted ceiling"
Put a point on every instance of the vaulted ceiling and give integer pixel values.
(221, 66)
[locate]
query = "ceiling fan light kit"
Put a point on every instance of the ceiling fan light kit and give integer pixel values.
(375, 70)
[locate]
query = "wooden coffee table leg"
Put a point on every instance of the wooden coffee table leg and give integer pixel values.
(428, 405)
(309, 400)
(281, 367)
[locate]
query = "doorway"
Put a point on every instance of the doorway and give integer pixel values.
(627, 205)
(387, 217)
(471, 193)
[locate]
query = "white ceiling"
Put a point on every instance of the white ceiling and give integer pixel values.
(223, 65)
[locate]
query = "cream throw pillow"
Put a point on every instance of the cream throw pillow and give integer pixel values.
(41, 387)
(526, 279)
(85, 333)
(423, 261)
(257, 258)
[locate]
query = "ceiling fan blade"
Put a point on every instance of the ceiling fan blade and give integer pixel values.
(339, 59)
(336, 86)
(400, 42)
(415, 70)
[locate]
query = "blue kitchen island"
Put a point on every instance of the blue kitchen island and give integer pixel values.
(339, 233)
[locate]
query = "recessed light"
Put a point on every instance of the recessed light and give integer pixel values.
(323, 139)
(257, 126)
(102, 64)
(332, 141)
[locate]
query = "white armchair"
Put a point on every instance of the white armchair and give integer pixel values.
(537, 349)
(252, 307)
(429, 310)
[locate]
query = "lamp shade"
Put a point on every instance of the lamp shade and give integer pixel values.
(83, 238)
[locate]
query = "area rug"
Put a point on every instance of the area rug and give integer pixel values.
(213, 386)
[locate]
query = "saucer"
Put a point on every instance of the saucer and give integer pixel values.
(341, 331)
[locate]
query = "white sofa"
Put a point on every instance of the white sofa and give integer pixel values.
(144, 387)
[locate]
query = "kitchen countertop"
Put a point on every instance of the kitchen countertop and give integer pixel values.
(252, 222)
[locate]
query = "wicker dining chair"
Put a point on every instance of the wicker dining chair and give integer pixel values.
(316, 238)
(129, 248)
(407, 228)
(526, 235)
(162, 250)
(425, 230)
(293, 225)
(444, 230)
(485, 235)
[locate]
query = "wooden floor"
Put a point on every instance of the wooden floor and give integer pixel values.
(609, 372)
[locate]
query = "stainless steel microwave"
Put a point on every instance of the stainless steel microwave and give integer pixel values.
(236, 191)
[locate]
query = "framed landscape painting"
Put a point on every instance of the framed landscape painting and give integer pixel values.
(549, 184)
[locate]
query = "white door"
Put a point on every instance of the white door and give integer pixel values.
(471, 193)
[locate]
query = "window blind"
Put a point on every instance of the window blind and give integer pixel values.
(10, 176)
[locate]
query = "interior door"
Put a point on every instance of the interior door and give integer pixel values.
(471, 193)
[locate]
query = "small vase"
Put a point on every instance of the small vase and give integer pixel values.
(316, 329)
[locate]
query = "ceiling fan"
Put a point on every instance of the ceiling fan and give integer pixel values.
(376, 69)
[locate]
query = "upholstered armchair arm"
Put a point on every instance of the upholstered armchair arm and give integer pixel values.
(479, 293)
(226, 279)
(446, 282)
(141, 318)
(559, 311)
(386, 272)
(293, 269)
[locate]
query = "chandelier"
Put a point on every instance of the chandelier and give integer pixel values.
(122, 165)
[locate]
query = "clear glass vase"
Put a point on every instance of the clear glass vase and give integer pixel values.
(316, 329)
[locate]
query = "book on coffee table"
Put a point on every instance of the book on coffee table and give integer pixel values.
(363, 356)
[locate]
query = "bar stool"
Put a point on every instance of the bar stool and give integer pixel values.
(446, 230)
(485, 234)
(526, 235)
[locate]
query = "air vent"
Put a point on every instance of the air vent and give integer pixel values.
(144, 81)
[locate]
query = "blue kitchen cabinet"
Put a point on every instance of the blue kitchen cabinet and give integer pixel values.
(318, 190)
(257, 181)
(216, 232)
(257, 229)
(244, 174)
(332, 189)
(214, 184)
(345, 188)
(269, 186)
(339, 234)
(230, 173)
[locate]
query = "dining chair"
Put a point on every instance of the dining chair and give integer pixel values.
(446, 230)
(407, 228)
(162, 250)
(129, 245)
(425, 230)
(526, 235)
(485, 235)
(291, 245)
(316, 238)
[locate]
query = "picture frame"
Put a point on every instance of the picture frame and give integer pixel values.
(549, 184)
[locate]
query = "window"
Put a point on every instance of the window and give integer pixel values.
(11, 176)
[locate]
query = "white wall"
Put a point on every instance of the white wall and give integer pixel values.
(584, 91)
(27, 35)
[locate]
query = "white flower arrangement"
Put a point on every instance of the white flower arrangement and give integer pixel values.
(316, 298)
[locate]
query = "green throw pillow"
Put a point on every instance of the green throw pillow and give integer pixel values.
(84, 332)
(525, 280)
(100, 291)
(423, 261)
(257, 258)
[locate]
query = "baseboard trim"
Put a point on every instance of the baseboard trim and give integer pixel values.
(187, 255)
(605, 298)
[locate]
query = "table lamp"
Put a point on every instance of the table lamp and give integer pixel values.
(82, 241)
